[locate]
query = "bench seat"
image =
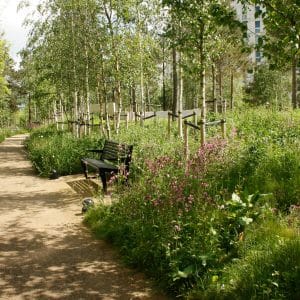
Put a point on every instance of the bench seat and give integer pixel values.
(113, 158)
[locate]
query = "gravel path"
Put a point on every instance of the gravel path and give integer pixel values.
(45, 251)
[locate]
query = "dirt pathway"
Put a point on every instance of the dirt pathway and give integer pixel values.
(45, 251)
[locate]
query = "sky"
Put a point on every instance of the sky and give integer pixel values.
(11, 24)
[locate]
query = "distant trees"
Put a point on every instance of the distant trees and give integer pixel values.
(282, 37)
(269, 88)
(6, 104)
(138, 54)
(92, 50)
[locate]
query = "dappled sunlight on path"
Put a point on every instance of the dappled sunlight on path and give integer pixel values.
(46, 253)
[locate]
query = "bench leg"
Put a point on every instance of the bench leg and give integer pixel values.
(84, 168)
(103, 179)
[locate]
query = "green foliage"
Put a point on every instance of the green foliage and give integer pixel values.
(197, 224)
(265, 157)
(50, 149)
(268, 266)
(269, 87)
(5, 91)
(5, 132)
(184, 223)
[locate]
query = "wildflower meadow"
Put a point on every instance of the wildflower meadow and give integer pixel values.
(222, 224)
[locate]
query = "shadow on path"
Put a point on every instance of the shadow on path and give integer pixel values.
(46, 253)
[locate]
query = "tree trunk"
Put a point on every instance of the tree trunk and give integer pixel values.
(109, 14)
(231, 90)
(61, 109)
(175, 82)
(164, 100)
(202, 76)
(29, 110)
(220, 83)
(213, 75)
(141, 65)
(180, 98)
(75, 93)
(294, 82)
(87, 87)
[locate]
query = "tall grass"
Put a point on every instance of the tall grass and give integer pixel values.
(6, 132)
(192, 225)
(49, 150)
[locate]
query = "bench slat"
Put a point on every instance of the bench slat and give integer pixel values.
(113, 155)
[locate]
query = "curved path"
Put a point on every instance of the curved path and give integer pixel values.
(45, 251)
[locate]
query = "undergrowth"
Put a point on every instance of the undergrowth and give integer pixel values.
(218, 225)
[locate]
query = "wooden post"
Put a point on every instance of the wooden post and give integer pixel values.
(195, 118)
(169, 125)
(135, 112)
(85, 123)
(231, 90)
(180, 124)
(107, 126)
(186, 141)
(141, 118)
(202, 132)
(215, 106)
(224, 106)
(127, 119)
(223, 127)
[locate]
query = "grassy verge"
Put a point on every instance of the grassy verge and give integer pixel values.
(6, 132)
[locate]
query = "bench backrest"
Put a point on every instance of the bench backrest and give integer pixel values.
(116, 152)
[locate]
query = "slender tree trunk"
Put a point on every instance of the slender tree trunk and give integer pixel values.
(294, 82)
(213, 75)
(87, 86)
(29, 110)
(61, 108)
(75, 93)
(164, 100)
(175, 82)
(180, 98)
(148, 105)
(55, 114)
(220, 83)
(141, 65)
(231, 89)
(135, 110)
(202, 75)
(117, 63)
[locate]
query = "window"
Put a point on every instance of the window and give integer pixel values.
(258, 56)
(257, 9)
(257, 37)
(257, 26)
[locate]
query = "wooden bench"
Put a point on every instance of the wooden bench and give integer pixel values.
(113, 158)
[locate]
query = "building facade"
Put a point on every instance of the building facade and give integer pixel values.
(255, 27)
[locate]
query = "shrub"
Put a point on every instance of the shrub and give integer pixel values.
(268, 267)
(171, 224)
(50, 149)
(269, 87)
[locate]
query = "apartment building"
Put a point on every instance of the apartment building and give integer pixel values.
(255, 26)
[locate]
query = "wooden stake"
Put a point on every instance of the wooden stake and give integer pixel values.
(180, 124)
(186, 141)
(223, 127)
(195, 118)
(202, 132)
(215, 106)
(127, 119)
(169, 125)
